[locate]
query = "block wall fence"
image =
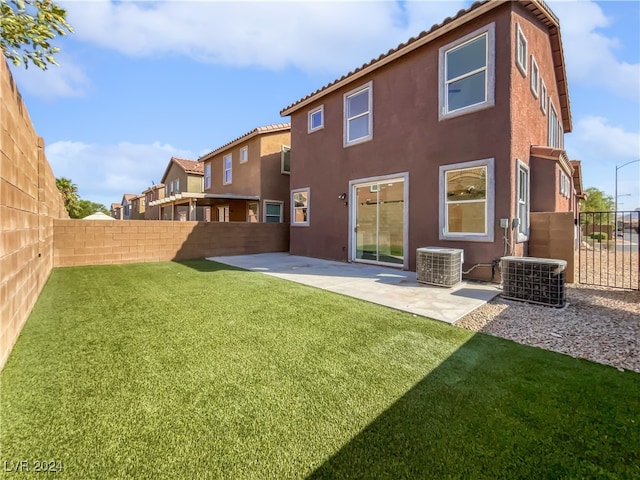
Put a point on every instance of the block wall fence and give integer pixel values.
(100, 242)
(29, 203)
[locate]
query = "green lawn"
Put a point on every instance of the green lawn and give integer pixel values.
(199, 370)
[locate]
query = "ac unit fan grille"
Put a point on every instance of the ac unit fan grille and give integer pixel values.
(439, 266)
(534, 280)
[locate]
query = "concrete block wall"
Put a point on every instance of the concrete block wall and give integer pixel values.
(29, 201)
(85, 242)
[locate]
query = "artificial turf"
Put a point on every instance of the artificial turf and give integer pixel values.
(200, 370)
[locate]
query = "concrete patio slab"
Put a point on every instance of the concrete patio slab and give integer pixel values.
(382, 285)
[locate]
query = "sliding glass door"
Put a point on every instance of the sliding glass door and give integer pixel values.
(378, 235)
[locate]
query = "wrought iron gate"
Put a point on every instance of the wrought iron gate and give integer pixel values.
(609, 249)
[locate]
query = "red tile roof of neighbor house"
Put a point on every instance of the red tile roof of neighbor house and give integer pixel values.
(156, 186)
(277, 127)
(538, 8)
(129, 196)
(190, 167)
(115, 205)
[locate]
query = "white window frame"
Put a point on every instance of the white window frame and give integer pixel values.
(535, 77)
(523, 200)
(177, 185)
(275, 202)
(225, 169)
(310, 127)
(285, 148)
(521, 40)
(226, 213)
(207, 175)
(244, 154)
(444, 113)
(369, 87)
(565, 185)
(257, 211)
(488, 236)
(293, 207)
(543, 96)
(556, 133)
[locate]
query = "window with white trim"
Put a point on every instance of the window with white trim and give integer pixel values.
(177, 185)
(358, 115)
(272, 211)
(565, 185)
(227, 161)
(467, 201)
(316, 119)
(300, 206)
(523, 204)
(556, 134)
(535, 77)
(543, 97)
(244, 154)
(252, 212)
(521, 50)
(285, 160)
(207, 175)
(466, 71)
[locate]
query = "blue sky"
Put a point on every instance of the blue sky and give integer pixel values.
(140, 82)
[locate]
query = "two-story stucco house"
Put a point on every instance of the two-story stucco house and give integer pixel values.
(182, 183)
(126, 206)
(451, 139)
(152, 194)
(138, 207)
(247, 179)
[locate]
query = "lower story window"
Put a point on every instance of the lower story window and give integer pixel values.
(300, 207)
(252, 212)
(523, 202)
(467, 201)
(272, 211)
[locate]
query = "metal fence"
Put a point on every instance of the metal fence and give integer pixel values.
(610, 249)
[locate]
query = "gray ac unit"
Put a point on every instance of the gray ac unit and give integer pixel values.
(439, 266)
(534, 280)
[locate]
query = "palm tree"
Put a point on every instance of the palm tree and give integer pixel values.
(69, 192)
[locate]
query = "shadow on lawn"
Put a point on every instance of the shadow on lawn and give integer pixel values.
(203, 265)
(495, 409)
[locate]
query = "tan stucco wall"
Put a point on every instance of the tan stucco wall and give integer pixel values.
(29, 201)
(96, 243)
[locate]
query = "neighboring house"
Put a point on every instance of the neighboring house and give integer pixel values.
(152, 195)
(98, 216)
(138, 206)
(448, 140)
(182, 182)
(247, 180)
(116, 211)
(126, 203)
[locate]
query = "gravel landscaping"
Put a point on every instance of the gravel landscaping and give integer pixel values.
(599, 324)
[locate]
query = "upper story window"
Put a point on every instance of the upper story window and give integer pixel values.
(285, 159)
(467, 201)
(300, 207)
(565, 185)
(177, 185)
(556, 134)
(521, 50)
(358, 115)
(543, 97)
(244, 154)
(227, 161)
(316, 119)
(535, 77)
(467, 80)
(207, 176)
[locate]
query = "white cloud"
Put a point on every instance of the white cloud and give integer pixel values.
(313, 36)
(590, 55)
(104, 172)
(608, 142)
(67, 80)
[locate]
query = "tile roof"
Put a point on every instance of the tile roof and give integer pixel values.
(538, 8)
(189, 166)
(277, 127)
(129, 196)
(577, 176)
(115, 205)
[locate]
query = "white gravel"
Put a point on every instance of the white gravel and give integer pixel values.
(600, 324)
